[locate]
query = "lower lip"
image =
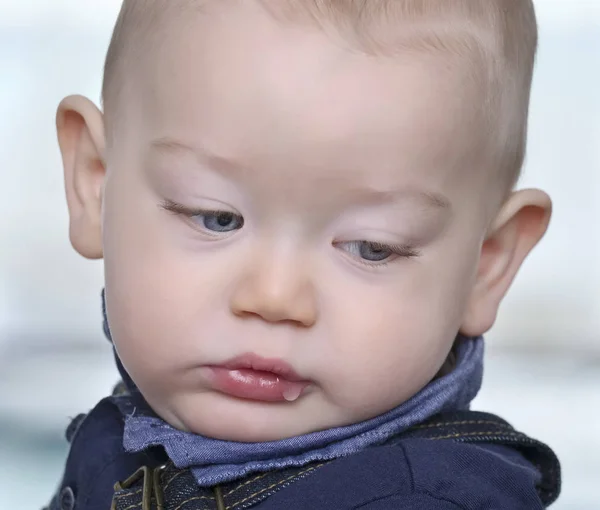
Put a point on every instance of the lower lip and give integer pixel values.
(255, 385)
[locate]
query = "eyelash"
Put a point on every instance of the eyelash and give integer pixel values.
(403, 251)
(175, 208)
(188, 213)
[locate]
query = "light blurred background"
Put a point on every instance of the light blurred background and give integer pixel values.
(543, 370)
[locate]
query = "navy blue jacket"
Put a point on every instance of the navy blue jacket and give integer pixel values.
(472, 464)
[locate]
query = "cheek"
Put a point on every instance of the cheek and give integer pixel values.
(383, 351)
(156, 290)
(389, 340)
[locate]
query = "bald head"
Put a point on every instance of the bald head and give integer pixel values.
(139, 27)
(497, 38)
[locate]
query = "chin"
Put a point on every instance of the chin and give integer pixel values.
(245, 421)
(242, 429)
(239, 432)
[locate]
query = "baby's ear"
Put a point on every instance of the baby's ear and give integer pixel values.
(519, 226)
(80, 128)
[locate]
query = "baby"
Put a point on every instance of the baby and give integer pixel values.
(307, 216)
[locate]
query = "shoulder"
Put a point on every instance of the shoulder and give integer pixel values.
(414, 474)
(474, 475)
(96, 459)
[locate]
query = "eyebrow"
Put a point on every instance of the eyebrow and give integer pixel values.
(205, 156)
(430, 198)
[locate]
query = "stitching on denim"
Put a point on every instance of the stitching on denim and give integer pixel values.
(463, 434)
(281, 487)
(378, 434)
(244, 484)
(118, 497)
(450, 423)
(129, 494)
(166, 485)
(137, 505)
(312, 468)
(195, 498)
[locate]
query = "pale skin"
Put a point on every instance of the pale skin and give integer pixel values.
(321, 158)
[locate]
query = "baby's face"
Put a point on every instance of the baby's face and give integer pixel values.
(279, 203)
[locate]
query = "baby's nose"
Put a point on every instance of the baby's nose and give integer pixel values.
(276, 292)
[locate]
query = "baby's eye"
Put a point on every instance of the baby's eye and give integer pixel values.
(376, 252)
(373, 252)
(218, 221)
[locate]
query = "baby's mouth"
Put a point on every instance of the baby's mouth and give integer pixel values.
(252, 377)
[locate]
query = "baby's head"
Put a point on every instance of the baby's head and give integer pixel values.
(321, 189)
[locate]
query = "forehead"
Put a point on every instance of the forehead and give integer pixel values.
(245, 86)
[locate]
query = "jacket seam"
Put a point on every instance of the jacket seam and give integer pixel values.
(413, 487)
(439, 498)
(411, 472)
(390, 496)
(88, 493)
(427, 493)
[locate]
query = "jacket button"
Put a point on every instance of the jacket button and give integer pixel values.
(67, 499)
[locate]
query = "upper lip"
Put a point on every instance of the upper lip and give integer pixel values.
(251, 361)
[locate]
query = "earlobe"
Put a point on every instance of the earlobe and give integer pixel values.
(520, 225)
(80, 130)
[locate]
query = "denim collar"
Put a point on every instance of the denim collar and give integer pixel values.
(214, 461)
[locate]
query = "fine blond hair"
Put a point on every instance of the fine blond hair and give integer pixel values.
(499, 38)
